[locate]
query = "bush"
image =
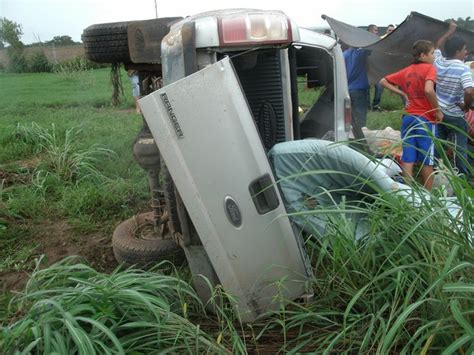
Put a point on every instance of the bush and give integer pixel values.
(77, 64)
(18, 62)
(39, 63)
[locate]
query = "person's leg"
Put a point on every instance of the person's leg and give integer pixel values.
(368, 98)
(460, 139)
(427, 176)
(378, 89)
(135, 91)
(409, 147)
(455, 128)
(407, 172)
(359, 107)
(425, 134)
(137, 107)
(359, 118)
(442, 136)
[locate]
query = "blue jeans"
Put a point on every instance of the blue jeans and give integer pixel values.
(359, 106)
(378, 89)
(455, 129)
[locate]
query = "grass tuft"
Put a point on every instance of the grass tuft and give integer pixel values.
(70, 308)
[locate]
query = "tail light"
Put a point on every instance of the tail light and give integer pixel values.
(347, 114)
(254, 28)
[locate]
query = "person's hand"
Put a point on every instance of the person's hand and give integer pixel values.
(463, 106)
(439, 116)
(452, 27)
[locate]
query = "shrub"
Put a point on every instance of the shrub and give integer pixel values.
(39, 63)
(61, 154)
(18, 62)
(23, 202)
(77, 64)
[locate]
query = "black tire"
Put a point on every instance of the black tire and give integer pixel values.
(107, 43)
(130, 250)
(170, 198)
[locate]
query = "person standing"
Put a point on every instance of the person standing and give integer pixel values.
(135, 82)
(358, 82)
(417, 84)
(455, 90)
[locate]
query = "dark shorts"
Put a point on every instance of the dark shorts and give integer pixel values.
(417, 137)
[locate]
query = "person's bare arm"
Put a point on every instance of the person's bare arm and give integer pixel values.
(452, 28)
(431, 96)
(386, 84)
(468, 98)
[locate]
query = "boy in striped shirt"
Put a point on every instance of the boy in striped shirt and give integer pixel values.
(455, 90)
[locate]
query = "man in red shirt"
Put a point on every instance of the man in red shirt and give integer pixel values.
(416, 83)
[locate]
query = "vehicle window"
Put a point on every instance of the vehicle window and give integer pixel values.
(315, 92)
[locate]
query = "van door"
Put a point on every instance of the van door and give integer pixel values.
(208, 139)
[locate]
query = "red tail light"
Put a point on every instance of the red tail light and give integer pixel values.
(255, 27)
(347, 114)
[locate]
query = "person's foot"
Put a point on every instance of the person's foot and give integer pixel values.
(376, 108)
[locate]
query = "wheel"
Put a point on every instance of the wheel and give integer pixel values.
(170, 198)
(134, 242)
(107, 43)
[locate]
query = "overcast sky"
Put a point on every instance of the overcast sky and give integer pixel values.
(44, 19)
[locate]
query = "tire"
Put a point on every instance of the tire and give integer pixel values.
(107, 43)
(170, 198)
(130, 250)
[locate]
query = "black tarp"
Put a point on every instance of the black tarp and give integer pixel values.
(393, 52)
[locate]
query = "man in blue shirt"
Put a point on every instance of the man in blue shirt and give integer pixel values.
(356, 68)
(454, 90)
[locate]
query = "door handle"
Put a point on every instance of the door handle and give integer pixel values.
(263, 193)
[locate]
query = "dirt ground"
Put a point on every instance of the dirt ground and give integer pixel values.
(56, 240)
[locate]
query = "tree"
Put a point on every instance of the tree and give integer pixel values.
(10, 33)
(61, 41)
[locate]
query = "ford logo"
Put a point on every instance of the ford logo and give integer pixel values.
(232, 212)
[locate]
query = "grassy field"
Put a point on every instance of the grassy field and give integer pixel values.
(68, 178)
(66, 166)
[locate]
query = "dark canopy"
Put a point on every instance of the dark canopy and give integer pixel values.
(393, 52)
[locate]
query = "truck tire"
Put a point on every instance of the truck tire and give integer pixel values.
(107, 43)
(131, 249)
(170, 198)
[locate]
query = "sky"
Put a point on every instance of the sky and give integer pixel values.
(41, 20)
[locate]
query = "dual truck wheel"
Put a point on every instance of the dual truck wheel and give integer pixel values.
(107, 43)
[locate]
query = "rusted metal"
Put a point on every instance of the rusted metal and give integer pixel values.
(144, 39)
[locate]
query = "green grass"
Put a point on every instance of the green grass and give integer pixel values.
(86, 88)
(406, 286)
(390, 103)
(68, 154)
(391, 116)
(74, 309)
